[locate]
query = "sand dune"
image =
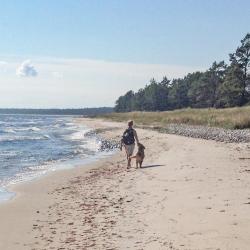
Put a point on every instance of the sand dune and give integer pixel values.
(190, 194)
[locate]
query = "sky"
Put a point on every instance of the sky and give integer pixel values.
(86, 53)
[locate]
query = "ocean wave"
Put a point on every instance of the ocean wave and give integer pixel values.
(8, 130)
(92, 144)
(70, 124)
(79, 151)
(35, 129)
(78, 135)
(22, 138)
(27, 129)
(8, 153)
(39, 167)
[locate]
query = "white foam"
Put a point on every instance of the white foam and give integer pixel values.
(80, 134)
(9, 153)
(93, 144)
(28, 129)
(5, 195)
(21, 138)
(35, 129)
(46, 137)
(9, 130)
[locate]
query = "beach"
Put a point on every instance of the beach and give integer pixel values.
(190, 194)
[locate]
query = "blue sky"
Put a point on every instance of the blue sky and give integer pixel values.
(70, 43)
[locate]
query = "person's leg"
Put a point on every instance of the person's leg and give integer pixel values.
(129, 161)
(126, 147)
(136, 164)
(130, 150)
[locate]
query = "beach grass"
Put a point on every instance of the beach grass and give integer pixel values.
(230, 118)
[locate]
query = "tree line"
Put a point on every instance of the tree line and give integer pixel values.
(220, 86)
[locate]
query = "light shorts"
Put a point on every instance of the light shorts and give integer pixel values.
(129, 149)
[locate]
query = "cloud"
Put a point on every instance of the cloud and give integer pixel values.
(3, 63)
(3, 66)
(26, 69)
(58, 75)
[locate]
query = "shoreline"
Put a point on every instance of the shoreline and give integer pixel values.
(106, 149)
(190, 194)
(11, 189)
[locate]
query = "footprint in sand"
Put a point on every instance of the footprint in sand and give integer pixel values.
(173, 220)
(196, 233)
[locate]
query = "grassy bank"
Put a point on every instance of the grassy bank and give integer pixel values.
(232, 118)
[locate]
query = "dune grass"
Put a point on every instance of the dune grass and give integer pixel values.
(230, 118)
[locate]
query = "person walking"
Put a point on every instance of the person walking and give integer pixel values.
(128, 140)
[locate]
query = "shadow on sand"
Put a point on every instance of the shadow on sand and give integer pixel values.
(152, 166)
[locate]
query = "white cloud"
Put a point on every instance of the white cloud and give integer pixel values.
(3, 66)
(26, 69)
(57, 74)
(3, 63)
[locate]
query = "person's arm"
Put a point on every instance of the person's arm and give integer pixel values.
(121, 141)
(136, 137)
(121, 144)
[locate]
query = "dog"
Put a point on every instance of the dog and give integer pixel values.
(139, 155)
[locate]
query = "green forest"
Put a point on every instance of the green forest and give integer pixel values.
(221, 86)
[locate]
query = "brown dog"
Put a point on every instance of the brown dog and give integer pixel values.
(139, 155)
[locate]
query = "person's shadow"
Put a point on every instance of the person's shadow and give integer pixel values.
(152, 166)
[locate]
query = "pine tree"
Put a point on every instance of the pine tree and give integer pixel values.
(230, 91)
(242, 58)
(204, 89)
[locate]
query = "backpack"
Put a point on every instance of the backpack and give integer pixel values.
(128, 137)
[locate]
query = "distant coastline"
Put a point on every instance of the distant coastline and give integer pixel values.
(80, 111)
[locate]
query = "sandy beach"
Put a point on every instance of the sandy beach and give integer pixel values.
(190, 194)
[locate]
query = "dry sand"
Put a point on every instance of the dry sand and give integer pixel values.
(190, 194)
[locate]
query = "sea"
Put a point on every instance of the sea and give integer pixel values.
(33, 145)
